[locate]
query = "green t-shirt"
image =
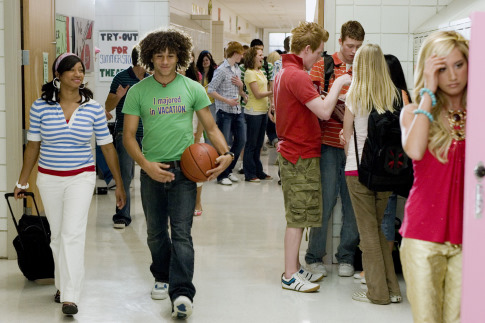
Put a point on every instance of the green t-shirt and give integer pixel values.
(167, 114)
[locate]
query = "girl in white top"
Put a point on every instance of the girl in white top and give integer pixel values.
(62, 123)
(371, 88)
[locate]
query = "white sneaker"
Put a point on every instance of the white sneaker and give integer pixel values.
(361, 296)
(160, 290)
(358, 276)
(298, 283)
(225, 181)
(317, 268)
(396, 298)
(182, 307)
(310, 276)
(345, 270)
(233, 178)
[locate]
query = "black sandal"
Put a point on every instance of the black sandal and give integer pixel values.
(57, 297)
(69, 308)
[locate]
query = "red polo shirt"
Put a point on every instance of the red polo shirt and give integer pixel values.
(297, 126)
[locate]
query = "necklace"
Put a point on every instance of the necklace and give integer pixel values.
(456, 119)
(165, 84)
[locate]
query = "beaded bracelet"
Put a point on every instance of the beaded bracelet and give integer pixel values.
(22, 187)
(426, 113)
(430, 93)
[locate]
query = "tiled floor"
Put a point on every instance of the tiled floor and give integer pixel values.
(238, 263)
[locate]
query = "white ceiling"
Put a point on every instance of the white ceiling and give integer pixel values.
(278, 14)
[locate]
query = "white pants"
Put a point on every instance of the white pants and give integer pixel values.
(66, 201)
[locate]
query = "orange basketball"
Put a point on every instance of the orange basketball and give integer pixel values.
(196, 160)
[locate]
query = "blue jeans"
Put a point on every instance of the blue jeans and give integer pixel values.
(233, 128)
(103, 166)
(172, 255)
(127, 168)
(389, 221)
(212, 109)
(332, 168)
(256, 127)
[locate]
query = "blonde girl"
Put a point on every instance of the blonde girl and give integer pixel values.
(371, 88)
(433, 135)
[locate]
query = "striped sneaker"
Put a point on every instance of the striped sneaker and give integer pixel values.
(310, 276)
(298, 283)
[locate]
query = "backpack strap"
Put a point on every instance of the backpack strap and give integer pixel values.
(356, 148)
(328, 65)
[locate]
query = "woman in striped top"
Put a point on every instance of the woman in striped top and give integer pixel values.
(62, 123)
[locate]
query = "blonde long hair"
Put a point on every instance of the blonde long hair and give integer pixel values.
(372, 87)
(440, 43)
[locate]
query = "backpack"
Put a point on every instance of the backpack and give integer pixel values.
(384, 165)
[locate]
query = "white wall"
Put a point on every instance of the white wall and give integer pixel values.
(388, 23)
(129, 15)
(3, 140)
(244, 34)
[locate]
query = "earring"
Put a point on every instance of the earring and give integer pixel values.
(56, 83)
(82, 86)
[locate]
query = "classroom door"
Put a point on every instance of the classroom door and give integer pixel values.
(473, 285)
(38, 20)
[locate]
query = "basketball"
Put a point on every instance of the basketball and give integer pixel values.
(196, 160)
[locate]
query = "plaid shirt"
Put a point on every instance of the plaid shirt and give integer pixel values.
(221, 83)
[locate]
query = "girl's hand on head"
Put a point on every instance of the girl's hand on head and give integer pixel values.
(432, 67)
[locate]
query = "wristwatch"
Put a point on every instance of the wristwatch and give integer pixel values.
(229, 153)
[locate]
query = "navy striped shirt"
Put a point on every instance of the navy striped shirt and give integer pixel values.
(67, 146)
(124, 78)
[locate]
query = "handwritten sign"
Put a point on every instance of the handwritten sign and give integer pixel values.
(115, 52)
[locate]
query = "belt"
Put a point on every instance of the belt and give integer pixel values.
(173, 163)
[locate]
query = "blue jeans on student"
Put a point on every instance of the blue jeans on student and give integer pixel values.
(256, 127)
(389, 221)
(212, 109)
(233, 128)
(103, 166)
(127, 168)
(332, 168)
(172, 255)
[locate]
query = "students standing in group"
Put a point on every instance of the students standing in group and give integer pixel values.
(226, 88)
(371, 88)
(255, 114)
(166, 102)
(298, 108)
(434, 137)
(62, 123)
(116, 98)
(332, 164)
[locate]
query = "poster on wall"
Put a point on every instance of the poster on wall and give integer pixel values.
(62, 35)
(115, 52)
(82, 41)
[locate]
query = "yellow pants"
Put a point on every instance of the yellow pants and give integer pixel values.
(433, 280)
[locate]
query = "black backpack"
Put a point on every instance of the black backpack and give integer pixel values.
(384, 165)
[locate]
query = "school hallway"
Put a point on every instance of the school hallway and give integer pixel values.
(238, 244)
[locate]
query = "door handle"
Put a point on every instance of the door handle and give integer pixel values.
(479, 174)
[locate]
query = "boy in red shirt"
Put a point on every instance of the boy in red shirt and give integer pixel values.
(298, 108)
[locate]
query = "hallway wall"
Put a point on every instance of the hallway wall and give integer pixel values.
(388, 23)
